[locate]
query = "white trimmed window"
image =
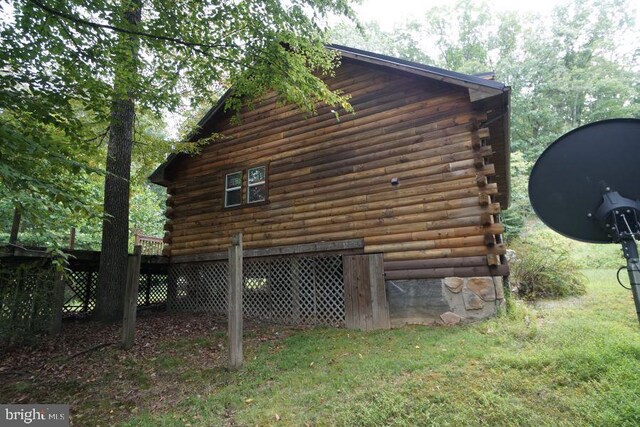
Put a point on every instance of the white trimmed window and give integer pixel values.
(233, 189)
(257, 184)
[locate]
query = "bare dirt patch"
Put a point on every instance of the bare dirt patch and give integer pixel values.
(176, 355)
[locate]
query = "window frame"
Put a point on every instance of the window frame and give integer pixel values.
(227, 190)
(255, 184)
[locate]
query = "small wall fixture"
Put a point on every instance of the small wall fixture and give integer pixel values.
(395, 181)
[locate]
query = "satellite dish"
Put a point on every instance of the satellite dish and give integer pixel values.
(570, 177)
(586, 186)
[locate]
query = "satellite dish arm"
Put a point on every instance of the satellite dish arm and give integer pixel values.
(630, 249)
(619, 217)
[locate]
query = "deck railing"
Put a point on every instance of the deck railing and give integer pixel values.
(150, 245)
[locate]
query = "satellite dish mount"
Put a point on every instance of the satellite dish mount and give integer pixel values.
(618, 216)
(586, 186)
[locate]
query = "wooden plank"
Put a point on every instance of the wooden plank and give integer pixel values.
(235, 303)
(131, 298)
(349, 283)
(366, 306)
(364, 294)
(379, 305)
(335, 246)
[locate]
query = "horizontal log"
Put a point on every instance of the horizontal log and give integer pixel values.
(442, 132)
(445, 253)
(347, 79)
(334, 216)
(209, 225)
(429, 154)
(295, 210)
(347, 234)
(423, 264)
(308, 248)
(330, 180)
(285, 114)
(405, 142)
(433, 234)
(436, 273)
(454, 242)
(402, 172)
(342, 226)
(450, 181)
(292, 126)
(308, 133)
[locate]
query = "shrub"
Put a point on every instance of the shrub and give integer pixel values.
(543, 270)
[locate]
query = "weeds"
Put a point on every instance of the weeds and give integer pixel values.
(543, 270)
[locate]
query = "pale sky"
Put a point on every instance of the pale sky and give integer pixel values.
(390, 12)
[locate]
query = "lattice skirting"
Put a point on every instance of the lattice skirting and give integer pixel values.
(80, 291)
(291, 290)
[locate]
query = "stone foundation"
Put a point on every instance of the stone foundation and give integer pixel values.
(443, 301)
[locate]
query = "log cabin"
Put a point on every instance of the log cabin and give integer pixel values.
(405, 194)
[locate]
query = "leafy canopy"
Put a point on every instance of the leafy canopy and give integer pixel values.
(57, 82)
(576, 66)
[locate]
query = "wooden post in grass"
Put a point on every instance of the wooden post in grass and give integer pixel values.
(57, 303)
(235, 302)
(131, 298)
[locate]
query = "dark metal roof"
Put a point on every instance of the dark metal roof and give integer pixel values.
(416, 68)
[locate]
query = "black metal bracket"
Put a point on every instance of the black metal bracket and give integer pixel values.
(618, 216)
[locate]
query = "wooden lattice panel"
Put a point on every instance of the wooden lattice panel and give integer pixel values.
(198, 287)
(330, 290)
(152, 289)
(291, 290)
(80, 292)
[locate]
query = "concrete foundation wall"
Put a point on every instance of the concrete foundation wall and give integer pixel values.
(443, 301)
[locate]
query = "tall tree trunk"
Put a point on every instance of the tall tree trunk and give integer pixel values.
(15, 227)
(115, 225)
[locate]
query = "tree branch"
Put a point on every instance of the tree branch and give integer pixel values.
(81, 21)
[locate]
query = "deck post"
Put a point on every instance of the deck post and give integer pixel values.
(131, 298)
(235, 302)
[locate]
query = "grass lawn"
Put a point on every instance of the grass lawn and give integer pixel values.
(571, 362)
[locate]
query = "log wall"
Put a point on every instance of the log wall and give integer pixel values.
(330, 179)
